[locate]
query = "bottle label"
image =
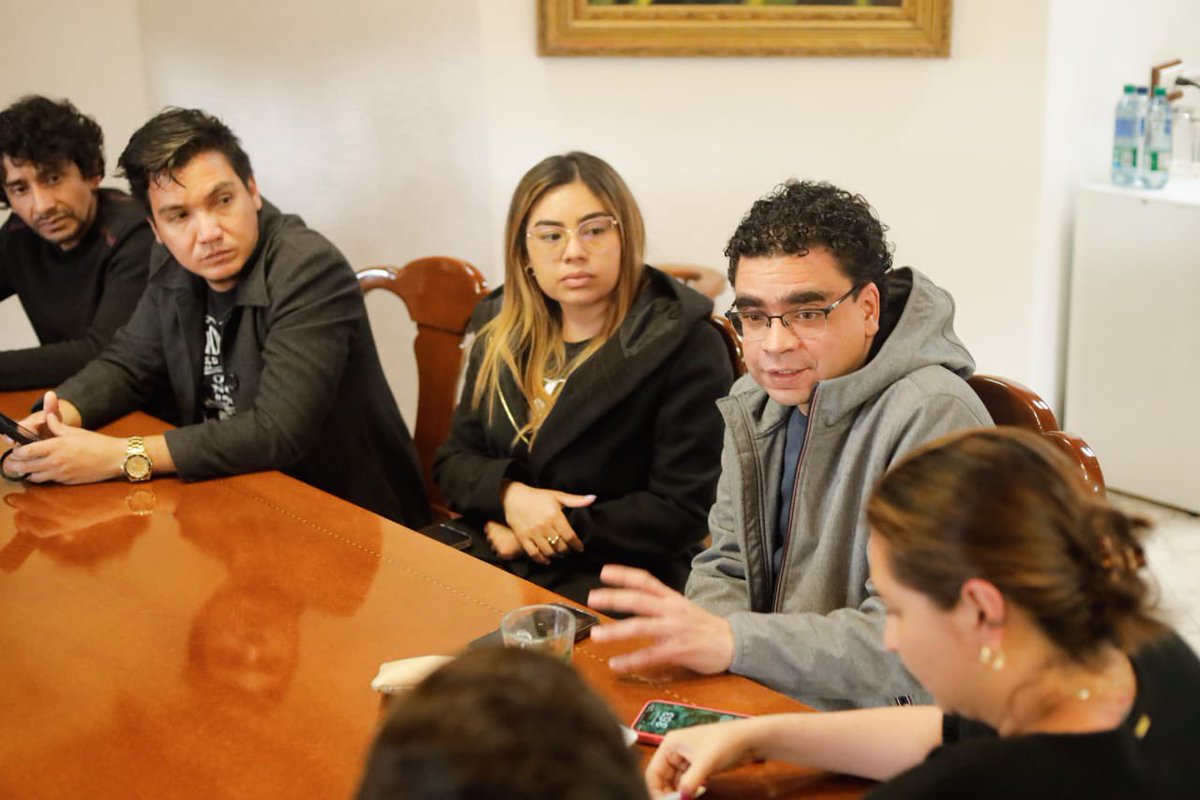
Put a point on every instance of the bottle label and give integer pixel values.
(1125, 128)
(1160, 161)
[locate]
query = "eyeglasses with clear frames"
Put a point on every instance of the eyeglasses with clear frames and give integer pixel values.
(804, 323)
(551, 240)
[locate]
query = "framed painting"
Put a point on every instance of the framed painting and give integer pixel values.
(906, 28)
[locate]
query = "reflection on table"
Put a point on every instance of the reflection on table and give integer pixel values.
(218, 639)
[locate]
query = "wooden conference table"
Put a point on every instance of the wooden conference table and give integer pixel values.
(217, 639)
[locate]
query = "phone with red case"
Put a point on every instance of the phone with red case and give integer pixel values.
(659, 717)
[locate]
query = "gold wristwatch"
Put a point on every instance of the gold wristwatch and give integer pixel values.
(137, 465)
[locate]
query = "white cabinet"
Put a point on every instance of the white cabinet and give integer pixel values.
(1133, 356)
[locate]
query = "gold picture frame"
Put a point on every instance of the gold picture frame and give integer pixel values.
(903, 28)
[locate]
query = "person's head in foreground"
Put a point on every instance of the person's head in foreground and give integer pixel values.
(190, 172)
(501, 723)
(1015, 595)
(51, 164)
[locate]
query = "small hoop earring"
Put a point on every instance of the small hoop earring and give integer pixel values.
(529, 271)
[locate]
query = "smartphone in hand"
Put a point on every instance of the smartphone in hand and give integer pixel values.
(17, 432)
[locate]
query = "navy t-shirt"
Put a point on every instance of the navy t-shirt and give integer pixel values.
(793, 445)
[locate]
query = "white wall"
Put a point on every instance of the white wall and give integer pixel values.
(399, 129)
(364, 117)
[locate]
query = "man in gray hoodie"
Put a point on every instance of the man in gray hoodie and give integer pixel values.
(851, 365)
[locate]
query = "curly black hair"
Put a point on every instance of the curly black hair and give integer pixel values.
(799, 215)
(46, 133)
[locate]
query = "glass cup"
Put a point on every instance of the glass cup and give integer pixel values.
(543, 628)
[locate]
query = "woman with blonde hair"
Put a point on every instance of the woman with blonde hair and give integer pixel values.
(1015, 596)
(587, 431)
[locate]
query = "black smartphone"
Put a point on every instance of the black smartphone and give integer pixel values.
(449, 532)
(584, 620)
(659, 717)
(16, 432)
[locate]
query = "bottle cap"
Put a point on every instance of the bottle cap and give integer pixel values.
(1160, 91)
(1130, 88)
(1143, 90)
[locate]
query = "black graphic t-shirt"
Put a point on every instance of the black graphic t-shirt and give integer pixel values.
(220, 387)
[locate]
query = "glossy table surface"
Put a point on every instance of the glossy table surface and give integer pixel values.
(217, 639)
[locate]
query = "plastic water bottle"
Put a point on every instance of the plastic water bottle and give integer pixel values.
(1155, 168)
(1125, 138)
(1141, 103)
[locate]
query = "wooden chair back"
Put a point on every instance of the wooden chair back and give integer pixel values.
(440, 294)
(705, 280)
(733, 345)
(1010, 403)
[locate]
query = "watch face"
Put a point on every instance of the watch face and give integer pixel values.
(137, 467)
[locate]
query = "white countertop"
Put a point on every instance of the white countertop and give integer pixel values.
(1181, 191)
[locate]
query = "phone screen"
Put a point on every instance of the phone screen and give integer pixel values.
(659, 717)
(18, 433)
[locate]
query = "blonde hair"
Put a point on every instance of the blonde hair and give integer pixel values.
(526, 336)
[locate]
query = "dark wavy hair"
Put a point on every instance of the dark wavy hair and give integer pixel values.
(799, 215)
(45, 133)
(1005, 505)
(501, 722)
(170, 140)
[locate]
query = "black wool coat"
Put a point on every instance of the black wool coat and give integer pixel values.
(636, 425)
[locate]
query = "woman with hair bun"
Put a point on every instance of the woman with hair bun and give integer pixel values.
(1016, 597)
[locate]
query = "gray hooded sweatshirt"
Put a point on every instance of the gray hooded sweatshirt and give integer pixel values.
(817, 634)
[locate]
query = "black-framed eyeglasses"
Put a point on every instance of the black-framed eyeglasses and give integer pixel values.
(552, 240)
(804, 323)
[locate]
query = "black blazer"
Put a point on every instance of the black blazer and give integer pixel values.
(312, 398)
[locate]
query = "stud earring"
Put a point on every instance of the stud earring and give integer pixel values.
(991, 658)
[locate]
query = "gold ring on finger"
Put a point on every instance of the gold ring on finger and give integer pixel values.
(553, 540)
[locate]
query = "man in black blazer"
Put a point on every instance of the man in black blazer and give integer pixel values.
(257, 325)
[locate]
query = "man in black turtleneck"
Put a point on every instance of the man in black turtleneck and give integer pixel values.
(76, 255)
